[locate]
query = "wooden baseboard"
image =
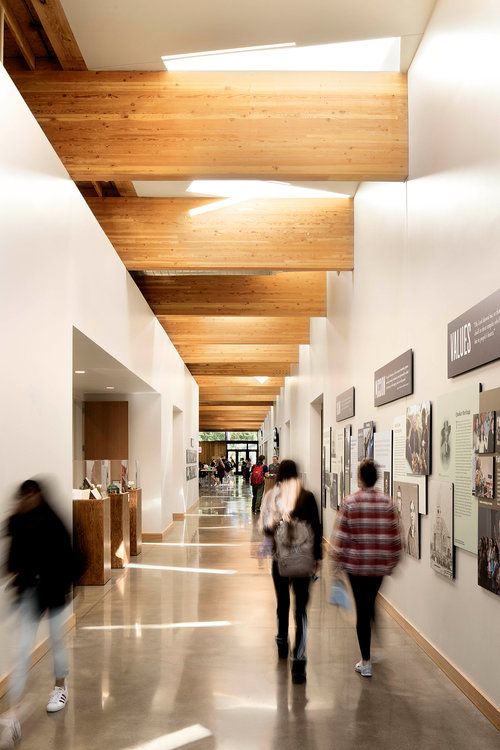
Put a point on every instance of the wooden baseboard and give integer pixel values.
(38, 653)
(182, 516)
(472, 692)
(156, 536)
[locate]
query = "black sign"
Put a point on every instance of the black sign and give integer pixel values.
(474, 337)
(345, 405)
(394, 380)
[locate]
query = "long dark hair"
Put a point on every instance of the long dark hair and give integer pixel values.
(287, 470)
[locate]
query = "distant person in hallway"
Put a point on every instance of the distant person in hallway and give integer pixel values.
(245, 470)
(274, 466)
(289, 502)
(42, 568)
(257, 480)
(367, 545)
(220, 470)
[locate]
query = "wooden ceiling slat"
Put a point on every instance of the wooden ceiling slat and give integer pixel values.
(247, 369)
(282, 294)
(219, 353)
(190, 329)
(285, 126)
(18, 34)
(275, 234)
(209, 381)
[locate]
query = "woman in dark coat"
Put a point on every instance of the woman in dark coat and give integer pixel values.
(42, 568)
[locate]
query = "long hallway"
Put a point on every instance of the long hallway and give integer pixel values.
(179, 652)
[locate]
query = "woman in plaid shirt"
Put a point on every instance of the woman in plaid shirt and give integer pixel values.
(367, 545)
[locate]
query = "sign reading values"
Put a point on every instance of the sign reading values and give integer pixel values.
(345, 405)
(394, 380)
(474, 337)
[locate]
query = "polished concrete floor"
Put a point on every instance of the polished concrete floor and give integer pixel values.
(179, 652)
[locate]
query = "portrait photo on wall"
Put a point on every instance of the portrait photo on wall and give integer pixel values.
(406, 501)
(445, 444)
(387, 483)
(488, 549)
(483, 476)
(441, 518)
(334, 491)
(418, 437)
(483, 425)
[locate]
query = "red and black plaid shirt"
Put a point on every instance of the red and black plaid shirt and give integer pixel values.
(367, 540)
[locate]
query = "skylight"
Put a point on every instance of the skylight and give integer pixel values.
(246, 189)
(366, 55)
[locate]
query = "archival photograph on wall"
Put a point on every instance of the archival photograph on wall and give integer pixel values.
(488, 549)
(452, 423)
(354, 464)
(484, 432)
(497, 434)
(382, 455)
(418, 437)
(406, 501)
(337, 461)
(483, 476)
(347, 461)
(365, 440)
(441, 518)
(334, 491)
(401, 468)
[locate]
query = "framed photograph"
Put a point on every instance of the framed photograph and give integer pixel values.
(488, 532)
(483, 425)
(334, 492)
(483, 477)
(441, 518)
(406, 501)
(418, 438)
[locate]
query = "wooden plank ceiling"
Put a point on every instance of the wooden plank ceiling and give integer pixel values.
(233, 288)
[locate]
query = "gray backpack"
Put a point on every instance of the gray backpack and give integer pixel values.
(295, 549)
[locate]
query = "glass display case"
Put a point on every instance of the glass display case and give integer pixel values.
(119, 474)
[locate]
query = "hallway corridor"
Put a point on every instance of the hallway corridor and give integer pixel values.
(184, 638)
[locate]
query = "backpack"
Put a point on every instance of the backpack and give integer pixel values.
(227, 466)
(258, 474)
(295, 549)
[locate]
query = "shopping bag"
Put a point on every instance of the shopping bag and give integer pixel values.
(339, 596)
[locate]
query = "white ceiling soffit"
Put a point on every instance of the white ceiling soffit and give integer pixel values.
(101, 371)
(131, 35)
(177, 188)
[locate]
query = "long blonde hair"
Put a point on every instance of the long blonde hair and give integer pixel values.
(279, 503)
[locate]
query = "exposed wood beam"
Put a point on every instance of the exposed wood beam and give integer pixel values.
(126, 189)
(282, 294)
(155, 125)
(275, 234)
(59, 33)
(209, 381)
(247, 369)
(218, 353)
(235, 402)
(97, 188)
(18, 34)
(192, 329)
(220, 395)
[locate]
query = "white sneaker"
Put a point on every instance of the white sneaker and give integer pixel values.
(365, 670)
(57, 699)
(10, 733)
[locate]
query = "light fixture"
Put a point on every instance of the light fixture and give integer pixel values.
(193, 60)
(363, 55)
(110, 387)
(261, 378)
(79, 372)
(245, 189)
(213, 206)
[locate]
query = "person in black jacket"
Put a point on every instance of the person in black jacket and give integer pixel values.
(286, 501)
(42, 569)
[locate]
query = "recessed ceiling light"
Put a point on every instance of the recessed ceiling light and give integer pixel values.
(110, 387)
(79, 372)
(193, 60)
(240, 190)
(364, 55)
(261, 378)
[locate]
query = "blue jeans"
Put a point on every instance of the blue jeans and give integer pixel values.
(29, 620)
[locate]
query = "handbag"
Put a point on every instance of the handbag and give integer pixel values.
(339, 596)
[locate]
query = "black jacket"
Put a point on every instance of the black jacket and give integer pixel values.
(306, 509)
(41, 556)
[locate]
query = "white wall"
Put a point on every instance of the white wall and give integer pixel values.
(425, 251)
(58, 270)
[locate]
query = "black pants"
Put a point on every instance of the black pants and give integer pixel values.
(257, 493)
(365, 589)
(300, 588)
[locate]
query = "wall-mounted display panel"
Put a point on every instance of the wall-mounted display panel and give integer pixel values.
(474, 337)
(382, 449)
(394, 380)
(401, 467)
(441, 518)
(418, 438)
(344, 405)
(406, 500)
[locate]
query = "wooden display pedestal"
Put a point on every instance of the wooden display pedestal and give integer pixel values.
(91, 536)
(135, 504)
(120, 530)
